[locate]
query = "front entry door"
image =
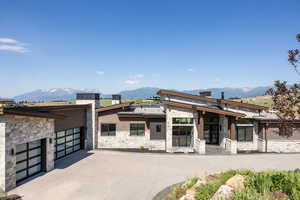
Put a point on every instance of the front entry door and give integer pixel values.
(211, 133)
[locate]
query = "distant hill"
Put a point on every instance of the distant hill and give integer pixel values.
(54, 94)
(67, 94)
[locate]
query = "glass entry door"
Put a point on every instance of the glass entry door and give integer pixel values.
(211, 133)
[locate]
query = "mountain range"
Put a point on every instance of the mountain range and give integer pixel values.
(66, 94)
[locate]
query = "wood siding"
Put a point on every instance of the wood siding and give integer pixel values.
(74, 119)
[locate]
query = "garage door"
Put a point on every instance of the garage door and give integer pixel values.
(67, 142)
(28, 159)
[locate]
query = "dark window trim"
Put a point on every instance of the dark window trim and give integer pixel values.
(111, 131)
(245, 134)
(139, 127)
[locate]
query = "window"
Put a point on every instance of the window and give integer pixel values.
(158, 128)
(182, 120)
(108, 129)
(245, 133)
(137, 129)
(286, 131)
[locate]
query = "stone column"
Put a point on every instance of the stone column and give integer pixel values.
(91, 117)
(2, 155)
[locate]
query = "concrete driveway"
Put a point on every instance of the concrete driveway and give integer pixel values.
(112, 175)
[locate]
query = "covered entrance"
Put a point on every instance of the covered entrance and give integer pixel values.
(68, 141)
(30, 159)
(211, 129)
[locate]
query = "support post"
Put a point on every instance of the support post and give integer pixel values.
(200, 126)
(233, 129)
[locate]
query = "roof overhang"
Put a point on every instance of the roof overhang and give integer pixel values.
(114, 107)
(29, 113)
(203, 109)
(278, 121)
(141, 115)
(211, 100)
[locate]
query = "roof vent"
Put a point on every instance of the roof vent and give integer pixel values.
(116, 99)
(205, 94)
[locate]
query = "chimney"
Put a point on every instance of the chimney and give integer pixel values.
(205, 94)
(88, 98)
(222, 95)
(116, 99)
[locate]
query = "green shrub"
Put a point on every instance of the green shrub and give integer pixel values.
(207, 191)
(191, 182)
(142, 148)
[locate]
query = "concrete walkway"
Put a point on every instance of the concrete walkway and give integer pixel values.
(111, 175)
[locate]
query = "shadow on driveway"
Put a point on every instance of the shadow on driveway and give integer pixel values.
(71, 159)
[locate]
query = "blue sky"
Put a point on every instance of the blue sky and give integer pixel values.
(118, 45)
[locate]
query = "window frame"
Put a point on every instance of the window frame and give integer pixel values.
(110, 131)
(138, 130)
(245, 138)
(183, 120)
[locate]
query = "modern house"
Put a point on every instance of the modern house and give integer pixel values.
(33, 138)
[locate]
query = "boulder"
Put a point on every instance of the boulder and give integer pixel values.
(187, 197)
(225, 192)
(191, 191)
(237, 182)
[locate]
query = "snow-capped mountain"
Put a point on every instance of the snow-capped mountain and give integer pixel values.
(56, 94)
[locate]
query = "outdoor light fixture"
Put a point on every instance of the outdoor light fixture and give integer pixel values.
(12, 151)
(50, 140)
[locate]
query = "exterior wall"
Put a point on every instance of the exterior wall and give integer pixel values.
(18, 130)
(250, 145)
(74, 119)
(91, 125)
(123, 140)
(172, 112)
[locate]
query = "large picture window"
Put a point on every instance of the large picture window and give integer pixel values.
(245, 133)
(182, 120)
(108, 129)
(137, 129)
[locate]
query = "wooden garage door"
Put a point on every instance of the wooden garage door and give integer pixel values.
(28, 159)
(67, 142)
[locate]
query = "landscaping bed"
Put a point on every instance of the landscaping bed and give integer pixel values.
(239, 185)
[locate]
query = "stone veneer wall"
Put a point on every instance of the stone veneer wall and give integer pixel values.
(283, 146)
(123, 139)
(18, 130)
(172, 112)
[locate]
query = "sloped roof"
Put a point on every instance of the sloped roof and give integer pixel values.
(211, 100)
(203, 108)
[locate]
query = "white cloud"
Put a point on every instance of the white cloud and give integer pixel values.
(14, 48)
(100, 72)
(217, 79)
(138, 76)
(8, 41)
(8, 44)
(190, 69)
(132, 82)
